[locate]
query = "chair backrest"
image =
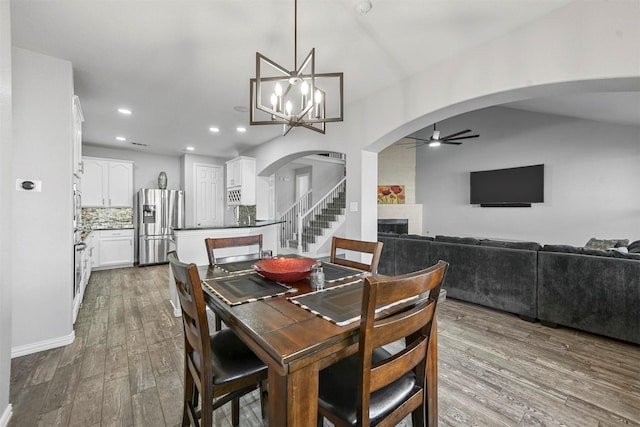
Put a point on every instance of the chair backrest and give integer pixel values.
(412, 321)
(230, 242)
(194, 320)
(373, 248)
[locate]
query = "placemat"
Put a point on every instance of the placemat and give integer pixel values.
(238, 266)
(240, 289)
(340, 304)
(334, 272)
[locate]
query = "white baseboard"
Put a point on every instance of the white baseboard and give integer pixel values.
(6, 416)
(177, 311)
(23, 350)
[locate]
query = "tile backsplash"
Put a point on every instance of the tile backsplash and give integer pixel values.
(106, 218)
(246, 214)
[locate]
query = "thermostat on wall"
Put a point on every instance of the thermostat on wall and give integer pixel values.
(34, 185)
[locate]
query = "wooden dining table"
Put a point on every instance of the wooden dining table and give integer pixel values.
(296, 344)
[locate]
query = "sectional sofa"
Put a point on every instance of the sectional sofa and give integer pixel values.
(597, 291)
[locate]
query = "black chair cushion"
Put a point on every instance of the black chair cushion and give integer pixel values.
(231, 358)
(338, 388)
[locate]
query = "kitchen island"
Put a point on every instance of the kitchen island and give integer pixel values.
(190, 245)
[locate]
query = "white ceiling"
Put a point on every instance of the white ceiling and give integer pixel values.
(182, 66)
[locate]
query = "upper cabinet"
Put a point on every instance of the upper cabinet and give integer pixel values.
(107, 183)
(78, 118)
(241, 181)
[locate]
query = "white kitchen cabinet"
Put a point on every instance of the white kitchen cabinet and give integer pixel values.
(115, 248)
(107, 183)
(241, 181)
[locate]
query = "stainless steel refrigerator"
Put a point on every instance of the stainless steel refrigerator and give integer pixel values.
(159, 212)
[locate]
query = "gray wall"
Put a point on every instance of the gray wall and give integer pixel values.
(42, 241)
(6, 194)
(591, 176)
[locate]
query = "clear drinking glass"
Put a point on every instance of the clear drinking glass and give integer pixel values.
(316, 278)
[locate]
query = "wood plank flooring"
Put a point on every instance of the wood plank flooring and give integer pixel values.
(125, 367)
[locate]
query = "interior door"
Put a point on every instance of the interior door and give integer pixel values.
(209, 192)
(302, 185)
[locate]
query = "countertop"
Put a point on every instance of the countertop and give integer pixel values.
(252, 224)
(110, 226)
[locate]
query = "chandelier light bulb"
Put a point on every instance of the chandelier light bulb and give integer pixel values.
(318, 97)
(274, 100)
(304, 88)
(278, 89)
(289, 107)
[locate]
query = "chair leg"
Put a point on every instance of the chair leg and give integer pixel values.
(264, 396)
(320, 421)
(235, 412)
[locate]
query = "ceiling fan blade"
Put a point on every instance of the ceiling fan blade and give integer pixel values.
(456, 134)
(460, 137)
(450, 143)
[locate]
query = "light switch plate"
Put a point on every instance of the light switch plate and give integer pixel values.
(37, 185)
(353, 206)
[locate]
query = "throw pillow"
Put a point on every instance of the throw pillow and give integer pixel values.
(634, 247)
(602, 244)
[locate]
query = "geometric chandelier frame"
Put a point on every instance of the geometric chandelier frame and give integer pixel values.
(298, 98)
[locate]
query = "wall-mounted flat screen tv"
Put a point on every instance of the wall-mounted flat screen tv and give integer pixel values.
(508, 187)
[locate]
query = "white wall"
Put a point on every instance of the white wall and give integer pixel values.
(591, 178)
(6, 194)
(42, 241)
(586, 46)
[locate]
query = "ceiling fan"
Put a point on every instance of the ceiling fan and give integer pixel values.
(435, 139)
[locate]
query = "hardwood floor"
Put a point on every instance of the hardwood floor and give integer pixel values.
(125, 367)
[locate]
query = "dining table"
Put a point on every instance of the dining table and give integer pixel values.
(294, 341)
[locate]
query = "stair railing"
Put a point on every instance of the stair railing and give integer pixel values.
(304, 221)
(289, 226)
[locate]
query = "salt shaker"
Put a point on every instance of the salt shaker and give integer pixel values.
(316, 278)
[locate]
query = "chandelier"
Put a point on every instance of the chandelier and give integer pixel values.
(295, 98)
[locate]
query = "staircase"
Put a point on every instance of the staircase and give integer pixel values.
(306, 230)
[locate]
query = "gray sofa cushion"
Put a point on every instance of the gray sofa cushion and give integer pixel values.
(388, 255)
(499, 278)
(412, 255)
(415, 237)
(527, 246)
(596, 294)
(460, 240)
(561, 248)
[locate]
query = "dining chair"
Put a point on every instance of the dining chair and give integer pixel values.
(373, 248)
(253, 246)
(376, 387)
(218, 368)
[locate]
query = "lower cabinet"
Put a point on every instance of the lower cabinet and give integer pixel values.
(114, 249)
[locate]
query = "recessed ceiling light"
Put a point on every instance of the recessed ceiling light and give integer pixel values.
(124, 111)
(241, 129)
(121, 138)
(214, 129)
(190, 148)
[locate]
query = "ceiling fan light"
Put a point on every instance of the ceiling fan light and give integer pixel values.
(434, 144)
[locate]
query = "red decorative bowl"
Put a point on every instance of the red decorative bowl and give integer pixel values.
(285, 269)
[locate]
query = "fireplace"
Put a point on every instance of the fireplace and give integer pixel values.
(400, 226)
